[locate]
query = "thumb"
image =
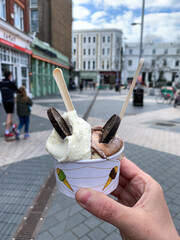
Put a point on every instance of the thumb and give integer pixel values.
(105, 207)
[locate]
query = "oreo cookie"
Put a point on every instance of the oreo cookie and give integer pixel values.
(58, 123)
(110, 128)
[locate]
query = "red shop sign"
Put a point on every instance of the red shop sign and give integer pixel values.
(15, 46)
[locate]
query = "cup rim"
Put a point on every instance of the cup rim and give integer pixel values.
(100, 159)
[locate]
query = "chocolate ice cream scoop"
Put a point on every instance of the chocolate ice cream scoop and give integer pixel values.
(103, 149)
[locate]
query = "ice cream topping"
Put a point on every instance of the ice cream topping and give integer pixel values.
(75, 147)
(104, 149)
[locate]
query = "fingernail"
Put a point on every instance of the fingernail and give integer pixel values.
(82, 196)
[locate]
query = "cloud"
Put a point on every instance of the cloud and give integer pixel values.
(79, 2)
(163, 24)
(83, 25)
(80, 12)
(157, 24)
(135, 4)
(98, 16)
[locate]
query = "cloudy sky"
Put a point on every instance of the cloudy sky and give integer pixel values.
(161, 20)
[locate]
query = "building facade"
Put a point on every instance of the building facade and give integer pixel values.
(14, 40)
(43, 61)
(96, 55)
(52, 23)
(161, 62)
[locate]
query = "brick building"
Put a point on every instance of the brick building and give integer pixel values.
(14, 40)
(52, 22)
(15, 6)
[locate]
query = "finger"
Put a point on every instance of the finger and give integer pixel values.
(124, 196)
(128, 169)
(104, 207)
(123, 181)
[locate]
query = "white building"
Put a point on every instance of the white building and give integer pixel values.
(161, 62)
(96, 54)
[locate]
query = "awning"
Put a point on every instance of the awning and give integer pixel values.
(15, 46)
(50, 61)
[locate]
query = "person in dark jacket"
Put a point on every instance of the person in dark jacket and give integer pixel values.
(24, 104)
(8, 88)
(81, 86)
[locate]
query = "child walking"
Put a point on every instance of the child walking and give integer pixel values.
(23, 111)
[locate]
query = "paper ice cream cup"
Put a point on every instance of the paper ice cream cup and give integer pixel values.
(99, 174)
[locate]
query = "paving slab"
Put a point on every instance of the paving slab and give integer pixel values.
(21, 182)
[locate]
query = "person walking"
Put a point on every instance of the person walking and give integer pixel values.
(8, 88)
(24, 104)
(81, 86)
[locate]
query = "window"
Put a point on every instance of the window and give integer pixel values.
(94, 51)
(74, 51)
(177, 63)
(18, 17)
(153, 63)
(3, 9)
(130, 51)
(129, 62)
(102, 64)
(84, 51)
(108, 38)
(33, 3)
(107, 64)
(74, 64)
(89, 39)
(89, 64)
(154, 51)
(107, 51)
(74, 40)
(34, 21)
(174, 75)
(84, 39)
(165, 51)
(149, 76)
(93, 64)
(89, 51)
(164, 62)
(94, 39)
(24, 76)
(103, 39)
(103, 51)
(84, 65)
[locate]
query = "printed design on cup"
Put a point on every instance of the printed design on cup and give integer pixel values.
(62, 178)
(112, 176)
(121, 157)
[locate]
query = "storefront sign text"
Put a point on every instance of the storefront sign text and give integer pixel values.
(9, 37)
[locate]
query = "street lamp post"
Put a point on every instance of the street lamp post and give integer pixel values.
(142, 25)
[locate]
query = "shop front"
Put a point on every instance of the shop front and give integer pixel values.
(43, 61)
(15, 54)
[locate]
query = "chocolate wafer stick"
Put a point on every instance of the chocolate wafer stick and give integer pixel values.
(58, 75)
(131, 88)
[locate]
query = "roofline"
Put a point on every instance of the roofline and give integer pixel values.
(97, 30)
(135, 44)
